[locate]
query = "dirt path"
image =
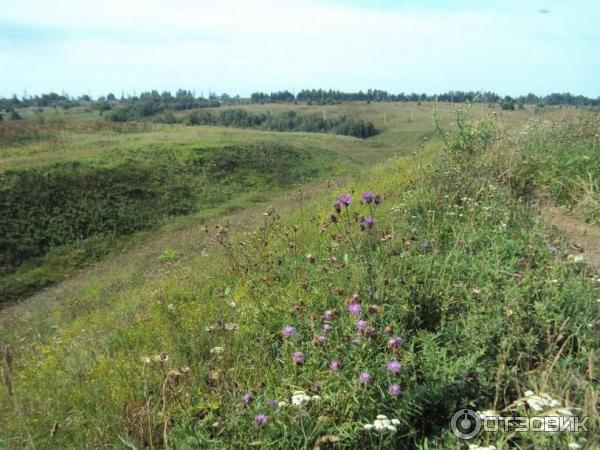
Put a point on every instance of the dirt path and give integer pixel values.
(582, 236)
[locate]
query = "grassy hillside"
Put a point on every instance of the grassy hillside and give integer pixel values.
(447, 291)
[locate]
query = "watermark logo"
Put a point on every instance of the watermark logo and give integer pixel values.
(467, 424)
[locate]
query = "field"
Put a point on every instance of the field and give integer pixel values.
(200, 277)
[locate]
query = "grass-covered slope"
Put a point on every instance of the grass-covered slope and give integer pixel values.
(59, 214)
(447, 273)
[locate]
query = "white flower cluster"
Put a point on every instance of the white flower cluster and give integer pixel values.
(477, 447)
(541, 402)
(216, 350)
(383, 423)
(299, 398)
(487, 414)
(576, 259)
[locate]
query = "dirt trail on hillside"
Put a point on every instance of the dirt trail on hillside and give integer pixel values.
(583, 237)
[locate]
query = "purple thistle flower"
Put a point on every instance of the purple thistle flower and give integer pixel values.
(298, 358)
(345, 200)
(260, 420)
(247, 399)
(334, 365)
(329, 315)
(361, 325)
(364, 378)
(273, 404)
(354, 309)
(552, 248)
(377, 199)
(394, 366)
(394, 342)
(326, 328)
(320, 340)
(368, 197)
(394, 389)
(367, 223)
(288, 331)
(337, 206)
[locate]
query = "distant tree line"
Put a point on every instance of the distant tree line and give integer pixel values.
(136, 107)
(321, 96)
(288, 121)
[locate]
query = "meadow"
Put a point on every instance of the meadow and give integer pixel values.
(309, 283)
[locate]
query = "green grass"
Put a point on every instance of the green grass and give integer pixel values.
(457, 263)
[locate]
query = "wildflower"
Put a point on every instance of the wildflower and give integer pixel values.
(337, 206)
(374, 309)
(288, 331)
(365, 378)
(216, 350)
(231, 326)
(299, 398)
(370, 332)
(552, 248)
(316, 387)
(383, 423)
(368, 197)
(273, 404)
(247, 398)
(260, 420)
(333, 218)
(388, 330)
(377, 199)
(298, 358)
(210, 328)
(345, 200)
(540, 402)
(145, 360)
(394, 389)
(477, 447)
(329, 315)
(361, 325)
(394, 342)
(394, 366)
(320, 340)
(334, 365)
(354, 309)
(326, 328)
(367, 223)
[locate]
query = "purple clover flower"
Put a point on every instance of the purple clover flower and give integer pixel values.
(334, 365)
(326, 328)
(321, 340)
(364, 378)
(394, 366)
(328, 315)
(260, 420)
(298, 358)
(394, 390)
(368, 197)
(361, 325)
(394, 342)
(288, 331)
(247, 399)
(552, 248)
(354, 309)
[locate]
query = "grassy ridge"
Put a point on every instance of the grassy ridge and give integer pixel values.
(78, 211)
(455, 264)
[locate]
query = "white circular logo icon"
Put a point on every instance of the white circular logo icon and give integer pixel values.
(465, 424)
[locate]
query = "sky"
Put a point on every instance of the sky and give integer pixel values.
(241, 46)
